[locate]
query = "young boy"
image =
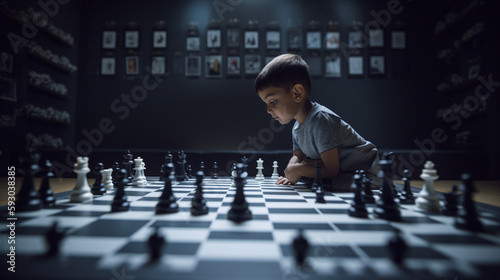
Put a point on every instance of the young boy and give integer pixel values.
(319, 135)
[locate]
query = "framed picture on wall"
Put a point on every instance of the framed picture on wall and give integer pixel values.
(376, 38)
(294, 36)
(213, 38)
(332, 40)
(158, 65)
(251, 39)
(193, 43)
(131, 39)
(109, 39)
(8, 116)
(315, 68)
(233, 65)
(356, 65)
(398, 40)
(213, 66)
(233, 38)
(8, 89)
(252, 64)
(132, 65)
(377, 65)
(332, 66)
(355, 39)
(193, 66)
(313, 40)
(159, 39)
(108, 66)
(6, 62)
(273, 40)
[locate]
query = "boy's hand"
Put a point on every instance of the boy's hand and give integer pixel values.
(291, 173)
(283, 181)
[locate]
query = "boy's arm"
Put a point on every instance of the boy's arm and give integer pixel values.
(298, 156)
(330, 167)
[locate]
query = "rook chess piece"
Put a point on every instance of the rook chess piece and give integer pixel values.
(46, 194)
(155, 245)
(81, 191)
(451, 202)
(386, 208)
(406, 195)
(467, 217)
(239, 211)
(198, 202)
(106, 178)
(275, 174)
(260, 166)
(300, 248)
(27, 198)
(120, 201)
(357, 208)
(98, 186)
(427, 198)
(167, 202)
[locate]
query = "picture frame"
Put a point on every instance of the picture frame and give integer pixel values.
(132, 39)
(252, 64)
(377, 65)
(376, 38)
(159, 39)
(332, 66)
(193, 43)
(132, 65)
(213, 38)
(398, 40)
(158, 65)
(213, 66)
(233, 66)
(313, 39)
(193, 66)
(108, 66)
(109, 39)
(273, 40)
(6, 62)
(315, 67)
(332, 40)
(8, 89)
(251, 39)
(355, 39)
(356, 66)
(233, 38)
(8, 116)
(294, 36)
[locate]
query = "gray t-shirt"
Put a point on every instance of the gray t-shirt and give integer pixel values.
(324, 130)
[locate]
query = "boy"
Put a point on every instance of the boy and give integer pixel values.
(318, 134)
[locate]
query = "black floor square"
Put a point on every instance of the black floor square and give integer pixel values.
(240, 235)
(111, 228)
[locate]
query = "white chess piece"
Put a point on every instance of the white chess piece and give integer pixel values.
(275, 174)
(144, 179)
(138, 177)
(260, 166)
(81, 191)
(106, 178)
(427, 197)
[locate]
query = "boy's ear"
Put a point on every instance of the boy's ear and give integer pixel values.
(299, 92)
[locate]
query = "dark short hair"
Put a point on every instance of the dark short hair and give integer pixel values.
(284, 71)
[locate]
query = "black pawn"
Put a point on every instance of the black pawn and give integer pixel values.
(215, 172)
(163, 173)
(244, 161)
(467, 217)
(357, 208)
(167, 202)
(45, 192)
(451, 202)
(386, 207)
(155, 245)
(397, 248)
(120, 203)
(98, 186)
(53, 238)
(181, 173)
(198, 202)
(320, 193)
(128, 163)
(27, 198)
(300, 248)
(189, 171)
(202, 168)
(239, 211)
(317, 178)
(367, 189)
(406, 195)
(116, 170)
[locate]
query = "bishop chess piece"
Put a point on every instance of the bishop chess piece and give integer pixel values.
(386, 207)
(98, 187)
(215, 171)
(318, 184)
(367, 189)
(46, 194)
(239, 211)
(106, 178)
(300, 248)
(406, 195)
(275, 174)
(120, 201)
(167, 202)
(181, 173)
(53, 238)
(427, 198)
(139, 178)
(128, 163)
(198, 202)
(467, 217)
(260, 166)
(451, 202)
(155, 244)
(27, 198)
(81, 191)
(397, 247)
(357, 208)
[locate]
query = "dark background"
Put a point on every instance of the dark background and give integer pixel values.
(208, 116)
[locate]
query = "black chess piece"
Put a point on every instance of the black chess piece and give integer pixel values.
(406, 195)
(120, 202)
(239, 211)
(189, 171)
(300, 248)
(155, 245)
(168, 159)
(467, 217)
(244, 161)
(397, 247)
(27, 198)
(386, 207)
(98, 186)
(367, 188)
(181, 173)
(116, 170)
(317, 179)
(202, 168)
(318, 185)
(128, 163)
(53, 238)
(389, 156)
(357, 208)
(198, 202)
(451, 201)
(167, 202)
(215, 172)
(46, 194)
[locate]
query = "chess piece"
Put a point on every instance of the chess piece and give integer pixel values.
(198, 202)
(451, 202)
(317, 178)
(81, 191)
(427, 198)
(46, 194)
(467, 217)
(260, 166)
(98, 186)
(167, 202)
(155, 245)
(120, 201)
(181, 173)
(53, 238)
(275, 174)
(215, 172)
(139, 178)
(168, 159)
(406, 195)
(27, 198)
(357, 208)
(189, 171)
(244, 161)
(300, 248)
(202, 168)
(116, 170)
(318, 185)
(239, 211)
(106, 178)
(397, 248)
(128, 162)
(386, 208)
(367, 189)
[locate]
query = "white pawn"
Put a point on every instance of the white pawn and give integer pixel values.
(260, 166)
(144, 179)
(81, 191)
(138, 177)
(275, 174)
(427, 197)
(107, 179)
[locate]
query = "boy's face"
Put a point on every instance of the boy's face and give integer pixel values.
(281, 104)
